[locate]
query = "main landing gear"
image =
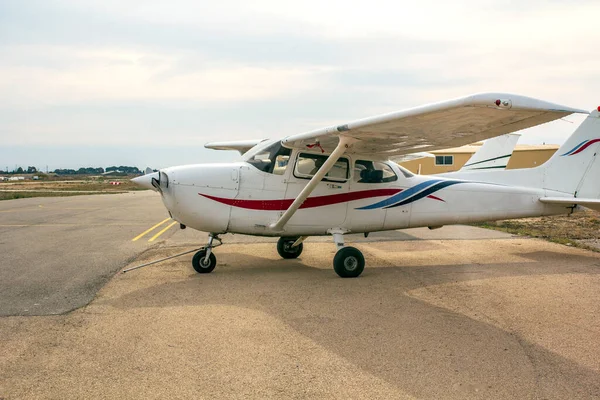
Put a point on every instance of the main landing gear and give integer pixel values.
(290, 247)
(204, 261)
(348, 262)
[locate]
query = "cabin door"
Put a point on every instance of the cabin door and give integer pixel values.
(328, 203)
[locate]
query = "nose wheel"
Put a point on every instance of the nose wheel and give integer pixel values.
(203, 264)
(204, 261)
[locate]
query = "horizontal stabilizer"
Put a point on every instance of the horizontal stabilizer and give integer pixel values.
(239, 145)
(594, 204)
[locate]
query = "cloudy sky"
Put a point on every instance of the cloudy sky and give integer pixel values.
(147, 83)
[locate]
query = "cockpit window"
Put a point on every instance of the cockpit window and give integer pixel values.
(272, 159)
(373, 172)
(307, 166)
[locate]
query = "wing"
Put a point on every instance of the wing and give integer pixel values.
(451, 123)
(493, 154)
(240, 145)
(412, 156)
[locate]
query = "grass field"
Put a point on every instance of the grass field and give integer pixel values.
(581, 229)
(67, 187)
(24, 195)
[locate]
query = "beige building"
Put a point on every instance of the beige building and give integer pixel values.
(448, 160)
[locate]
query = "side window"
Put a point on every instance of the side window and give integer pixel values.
(281, 163)
(274, 159)
(307, 166)
(444, 160)
(373, 172)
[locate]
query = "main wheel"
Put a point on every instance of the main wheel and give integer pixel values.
(203, 264)
(348, 262)
(285, 249)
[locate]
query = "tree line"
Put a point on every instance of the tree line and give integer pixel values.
(20, 170)
(81, 171)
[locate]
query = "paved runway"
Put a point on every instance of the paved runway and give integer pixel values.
(58, 251)
(453, 313)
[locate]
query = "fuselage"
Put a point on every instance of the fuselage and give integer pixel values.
(358, 195)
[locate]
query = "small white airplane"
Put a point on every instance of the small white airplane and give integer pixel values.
(338, 180)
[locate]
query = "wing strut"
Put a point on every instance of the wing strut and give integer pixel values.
(342, 146)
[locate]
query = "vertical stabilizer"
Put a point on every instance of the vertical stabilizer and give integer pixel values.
(574, 168)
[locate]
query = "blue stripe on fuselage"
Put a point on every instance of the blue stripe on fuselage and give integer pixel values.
(574, 148)
(402, 196)
(426, 192)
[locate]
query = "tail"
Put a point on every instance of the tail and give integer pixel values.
(570, 177)
(574, 169)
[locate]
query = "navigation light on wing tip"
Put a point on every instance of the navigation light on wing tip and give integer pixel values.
(503, 103)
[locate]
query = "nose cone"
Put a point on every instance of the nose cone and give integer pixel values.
(146, 180)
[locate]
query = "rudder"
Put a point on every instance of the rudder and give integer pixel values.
(574, 168)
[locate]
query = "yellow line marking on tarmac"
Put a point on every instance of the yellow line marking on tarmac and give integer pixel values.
(161, 232)
(149, 230)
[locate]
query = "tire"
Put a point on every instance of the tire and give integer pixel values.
(200, 265)
(285, 249)
(348, 262)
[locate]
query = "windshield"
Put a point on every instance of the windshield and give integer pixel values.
(272, 158)
(258, 148)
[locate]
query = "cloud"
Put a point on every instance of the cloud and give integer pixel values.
(148, 72)
(111, 74)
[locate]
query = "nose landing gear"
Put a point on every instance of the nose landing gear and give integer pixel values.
(204, 261)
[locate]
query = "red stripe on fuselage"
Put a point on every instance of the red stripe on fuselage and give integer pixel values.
(317, 201)
(435, 198)
(585, 146)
